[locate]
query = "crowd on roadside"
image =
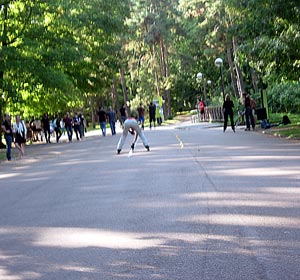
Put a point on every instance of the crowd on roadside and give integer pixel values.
(43, 129)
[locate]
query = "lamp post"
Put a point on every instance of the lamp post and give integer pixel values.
(200, 76)
(209, 82)
(219, 63)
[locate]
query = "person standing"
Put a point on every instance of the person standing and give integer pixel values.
(68, 121)
(248, 112)
(141, 115)
(102, 120)
(32, 128)
(152, 111)
(131, 125)
(57, 128)
(158, 115)
(202, 110)
(123, 114)
(82, 124)
(76, 123)
(62, 127)
(112, 120)
(39, 129)
(8, 135)
(46, 127)
(19, 128)
(228, 111)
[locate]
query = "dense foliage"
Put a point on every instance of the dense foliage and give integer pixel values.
(285, 97)
(59, 55)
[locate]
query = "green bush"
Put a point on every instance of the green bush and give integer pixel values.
(284, 98)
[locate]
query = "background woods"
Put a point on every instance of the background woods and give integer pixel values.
(63, 55)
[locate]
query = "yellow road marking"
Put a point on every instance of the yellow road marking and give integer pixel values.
(180, 142)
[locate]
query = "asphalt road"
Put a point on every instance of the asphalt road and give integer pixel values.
(202, 204)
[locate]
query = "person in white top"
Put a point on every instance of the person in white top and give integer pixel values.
(19, 128)
(131, 125)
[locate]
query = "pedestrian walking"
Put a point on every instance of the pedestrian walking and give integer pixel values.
(82, 124)
(68, 121)
(141, 115)
(152, 111)
(19, 128)
(123, 114)
(248, 112)
(102, 120)
(158, 115)
(46, 127)
(131, 125)
(112, 120)
(57, 128)
(76, 125)
(8, 135)
(202, 110)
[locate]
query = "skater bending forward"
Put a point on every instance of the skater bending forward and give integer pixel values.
(131, 125)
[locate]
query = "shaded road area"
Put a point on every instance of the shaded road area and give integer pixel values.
(202, 204)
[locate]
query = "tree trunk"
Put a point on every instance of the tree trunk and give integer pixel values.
(116, 99)
(165, 75)
(240, 82)
(254, 80)
(4, 45)
(231, 69)
(125, 95)
(92, 110)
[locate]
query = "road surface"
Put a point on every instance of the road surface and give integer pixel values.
(202, 204)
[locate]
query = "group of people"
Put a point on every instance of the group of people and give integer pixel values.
(77, 123)
(111, 117)
(16, 132)
(37, 129)
(249, 108)
(104, 117)
(46, 126)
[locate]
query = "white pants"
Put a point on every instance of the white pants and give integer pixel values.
(131, 123)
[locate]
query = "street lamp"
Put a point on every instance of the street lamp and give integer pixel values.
(209, 82)
(219, 63)
(200, 76)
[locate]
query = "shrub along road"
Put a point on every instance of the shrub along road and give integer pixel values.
(202, 204)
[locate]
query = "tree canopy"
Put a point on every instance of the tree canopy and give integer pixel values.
(59, 55)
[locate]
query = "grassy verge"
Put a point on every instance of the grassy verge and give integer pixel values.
(290, 131)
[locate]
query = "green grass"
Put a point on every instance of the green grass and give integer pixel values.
(277, 118)
(290, 131)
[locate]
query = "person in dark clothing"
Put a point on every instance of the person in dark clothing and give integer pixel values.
(102, 120)
(112, 120)
(228, 111)
(123, 114)
(46, 127)
(68, 121)
(57, 128)
(152, 110)
(76, 123)
(82, 124)
(8, 135)
(141, 117)
(248, 112)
